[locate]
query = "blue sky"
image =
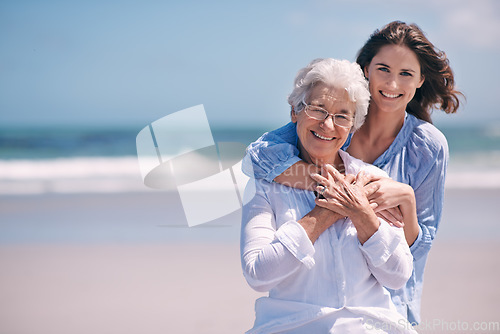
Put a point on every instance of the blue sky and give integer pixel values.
(127, 63)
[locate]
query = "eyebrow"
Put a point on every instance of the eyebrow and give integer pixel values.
(321, 105)
(345, 111)
(404, 70)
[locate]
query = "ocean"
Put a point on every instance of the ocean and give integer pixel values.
(104, 160)
(85, 185)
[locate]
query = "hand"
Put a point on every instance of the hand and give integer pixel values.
(342, 194)
(392, 216)
(346, 195)
(387, 197)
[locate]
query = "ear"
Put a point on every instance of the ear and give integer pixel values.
(422, 79)
(293, 115)
(365, 71)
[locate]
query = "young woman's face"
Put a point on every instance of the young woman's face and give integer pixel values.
(394, 76)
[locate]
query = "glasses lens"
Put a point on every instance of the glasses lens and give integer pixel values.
(316, 112)
(342, 120)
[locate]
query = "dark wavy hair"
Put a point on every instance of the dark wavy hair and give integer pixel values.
(438, 89)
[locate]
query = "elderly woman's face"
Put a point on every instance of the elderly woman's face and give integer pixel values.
(319, 141)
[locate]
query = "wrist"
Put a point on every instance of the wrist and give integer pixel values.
(366, 223)
(317, 221)
(409, 197)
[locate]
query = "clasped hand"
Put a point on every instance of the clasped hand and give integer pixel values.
(349, 195)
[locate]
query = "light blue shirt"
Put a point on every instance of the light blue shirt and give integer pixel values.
(417, 157)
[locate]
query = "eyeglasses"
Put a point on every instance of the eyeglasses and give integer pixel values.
(321, 114)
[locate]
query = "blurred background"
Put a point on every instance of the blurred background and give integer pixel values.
(126, 63)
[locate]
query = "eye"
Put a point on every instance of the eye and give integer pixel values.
(383, 69)
(342, 117)
(318, 109)
(406, 74)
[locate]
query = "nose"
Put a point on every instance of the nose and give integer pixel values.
(392, 83)
(328, 124)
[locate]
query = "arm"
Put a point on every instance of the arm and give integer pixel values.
(384, 247)
(269, 254)
(346, 195)
(429, 195)
(393, 200)
(272, 153)
(274, 157)
(388, 256)
(299, 176)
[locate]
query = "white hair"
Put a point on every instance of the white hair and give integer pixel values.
(333, 73)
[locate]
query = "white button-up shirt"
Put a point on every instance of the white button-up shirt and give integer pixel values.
(335, 284)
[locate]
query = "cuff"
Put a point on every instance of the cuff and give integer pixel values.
(293, 236)
(423, 243)
(415, 244)
(379, 248)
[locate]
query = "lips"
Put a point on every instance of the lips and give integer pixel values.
(322, 137)
(390, 95)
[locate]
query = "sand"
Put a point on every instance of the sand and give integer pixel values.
(115, 264)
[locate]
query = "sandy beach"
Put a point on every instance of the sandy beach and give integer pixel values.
(122, 263)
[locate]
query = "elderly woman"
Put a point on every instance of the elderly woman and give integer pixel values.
(325, 270)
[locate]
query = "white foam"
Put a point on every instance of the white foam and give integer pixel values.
(76, 175)
(479, 179)
(122, 174)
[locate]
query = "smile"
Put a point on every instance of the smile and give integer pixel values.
(391, 96)
(321, 137)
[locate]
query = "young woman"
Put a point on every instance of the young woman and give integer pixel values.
(407, 78)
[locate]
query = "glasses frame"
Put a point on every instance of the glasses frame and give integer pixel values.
(327, 114)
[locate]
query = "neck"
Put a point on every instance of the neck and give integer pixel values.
(379, 125)
(336, 161)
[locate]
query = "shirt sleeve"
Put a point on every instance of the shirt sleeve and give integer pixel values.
(388, 256)
(272, 154)
(429, 195)
(269, 254)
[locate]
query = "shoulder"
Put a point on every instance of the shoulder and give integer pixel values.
(354, 165)
(285, 134)
(426, 138)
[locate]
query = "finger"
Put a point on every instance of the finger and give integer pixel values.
(320, 189)
(318, 178)
(396, 212)
(363, 178)
(371, 189)
(385, 219)
(373, 177)
(330, 204)
(350, 178)
(388, 217)
(333, 172)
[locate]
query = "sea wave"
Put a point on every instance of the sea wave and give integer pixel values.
(122, 174)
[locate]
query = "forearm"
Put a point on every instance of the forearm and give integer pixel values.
(272, 153)
(270, 252)
(409, 211)
(366, 223)
(267, 265)
(317, 221)
(395, 203)
(298, 176)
